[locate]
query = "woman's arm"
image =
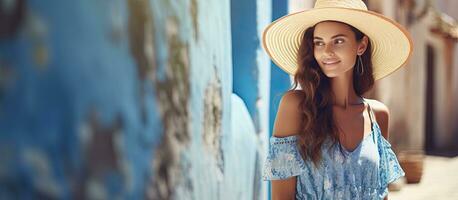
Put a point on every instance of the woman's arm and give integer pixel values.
(287, 123)
(284, 189)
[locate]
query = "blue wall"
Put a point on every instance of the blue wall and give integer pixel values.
(251, 76)
(279, 81)
(134, 99)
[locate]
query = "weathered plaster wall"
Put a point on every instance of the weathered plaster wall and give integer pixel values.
(130, 99)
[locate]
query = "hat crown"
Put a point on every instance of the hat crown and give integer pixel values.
(353, 4)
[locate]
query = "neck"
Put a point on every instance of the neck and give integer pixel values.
(344, 93)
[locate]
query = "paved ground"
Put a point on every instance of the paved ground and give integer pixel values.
(439, 181)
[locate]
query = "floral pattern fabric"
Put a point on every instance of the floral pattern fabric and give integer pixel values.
(363, 173)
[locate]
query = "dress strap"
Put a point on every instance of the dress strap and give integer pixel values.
(371, 113)
(373, 121)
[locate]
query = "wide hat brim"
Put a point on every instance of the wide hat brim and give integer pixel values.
(391, 43)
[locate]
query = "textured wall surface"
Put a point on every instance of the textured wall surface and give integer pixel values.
(132, 99)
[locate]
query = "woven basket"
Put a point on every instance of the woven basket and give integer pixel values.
(412, 164)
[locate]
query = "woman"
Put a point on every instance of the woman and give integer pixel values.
(328, 141)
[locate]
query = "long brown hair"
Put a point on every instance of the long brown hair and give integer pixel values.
(317, 123)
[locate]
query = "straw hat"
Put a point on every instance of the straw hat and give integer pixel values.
(391, 43)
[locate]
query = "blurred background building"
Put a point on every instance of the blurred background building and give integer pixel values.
(166, 99)
(421, 95)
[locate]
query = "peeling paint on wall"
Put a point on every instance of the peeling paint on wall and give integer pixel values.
(212, 121)
(173, 95)
(141, 37)
(38, 161)
(194, 13)
(12, 17)
(103, 158)
(36, 30)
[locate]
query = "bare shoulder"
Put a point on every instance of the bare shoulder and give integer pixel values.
(291, 98)
(288, 119)
(382, 115)
(379, 108)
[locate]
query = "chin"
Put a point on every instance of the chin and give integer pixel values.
(331, 75)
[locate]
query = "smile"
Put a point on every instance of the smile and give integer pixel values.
(331, 62)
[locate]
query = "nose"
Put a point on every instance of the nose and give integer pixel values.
(328, 49)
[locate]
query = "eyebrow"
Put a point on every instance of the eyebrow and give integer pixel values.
(338, 35)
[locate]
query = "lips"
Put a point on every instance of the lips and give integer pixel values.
(330, 62)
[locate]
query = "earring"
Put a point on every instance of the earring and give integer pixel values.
(360, 65)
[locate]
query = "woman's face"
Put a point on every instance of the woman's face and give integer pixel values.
(336, 48)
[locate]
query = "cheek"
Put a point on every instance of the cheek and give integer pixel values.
(347, 55)
(317, 56)
(344, 50)
(316, 53)
(350, 57)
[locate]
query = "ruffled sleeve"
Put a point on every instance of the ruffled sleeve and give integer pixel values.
(389, 167)
(283, 159)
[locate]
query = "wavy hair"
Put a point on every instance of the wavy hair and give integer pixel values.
(317, 121)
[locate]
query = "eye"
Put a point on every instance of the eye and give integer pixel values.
(339, 41)
(318, 43)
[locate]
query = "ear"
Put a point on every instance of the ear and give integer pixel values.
(362, 46)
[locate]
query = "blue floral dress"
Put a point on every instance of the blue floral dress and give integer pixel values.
(363, 173)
